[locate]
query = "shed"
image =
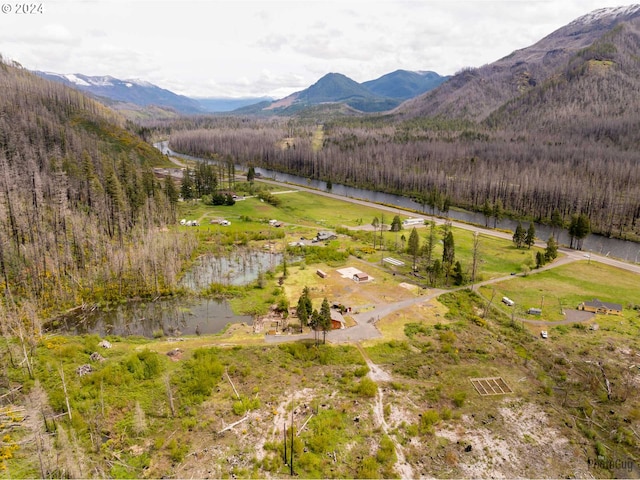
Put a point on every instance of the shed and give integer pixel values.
(360, 277)
(598, 306)
(321, 273)
(337, 320)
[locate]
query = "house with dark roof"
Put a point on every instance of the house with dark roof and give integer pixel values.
(326, 235)
(598, 306)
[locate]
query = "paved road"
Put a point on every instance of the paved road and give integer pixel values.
(365, 322)
(573, 254)
(366, 329)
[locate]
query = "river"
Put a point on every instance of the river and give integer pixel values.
(621, 249)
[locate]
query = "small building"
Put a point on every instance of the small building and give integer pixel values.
(337, 320)
(326, 235)
(360, 277)
(598, 306)
(321, 273)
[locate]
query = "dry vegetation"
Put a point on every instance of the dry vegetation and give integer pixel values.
(402, 406)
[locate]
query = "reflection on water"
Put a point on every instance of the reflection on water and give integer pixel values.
(176, 317)
(239, 268)
(170, 318)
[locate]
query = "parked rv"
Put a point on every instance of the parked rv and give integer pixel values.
(507, 301)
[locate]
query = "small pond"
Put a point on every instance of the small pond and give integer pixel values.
(175, 317)
(239, 268)
(171, 318)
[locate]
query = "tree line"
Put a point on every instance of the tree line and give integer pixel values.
(529, 175)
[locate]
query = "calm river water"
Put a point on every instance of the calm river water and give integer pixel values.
(622, 249)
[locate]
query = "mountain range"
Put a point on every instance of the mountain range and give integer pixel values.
(490, 93)
(381, 94)
(384, 93)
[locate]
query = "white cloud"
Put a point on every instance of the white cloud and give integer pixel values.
(250, 47)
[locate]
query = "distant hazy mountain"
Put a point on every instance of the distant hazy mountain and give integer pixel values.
(382, 94)
(223, 104)
(606, 36)
(403, 84)
(137, 92)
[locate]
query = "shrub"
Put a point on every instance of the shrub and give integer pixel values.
(386, 453)
(367, 387)
(448, 337)
(428, 419)
(459, 398)
(601, 450)
(143, 365)
(368, 468)
(327, 428)
(177, 450)
(412, 329)
(201, 373)
(242, 406)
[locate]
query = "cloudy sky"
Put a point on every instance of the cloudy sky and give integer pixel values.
(221, 48)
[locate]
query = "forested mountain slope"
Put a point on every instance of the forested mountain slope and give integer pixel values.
(475, 93)
(403, 84)
(594, 97)
(79, 201)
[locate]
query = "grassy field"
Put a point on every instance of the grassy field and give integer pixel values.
(304, 214)
(567, 286)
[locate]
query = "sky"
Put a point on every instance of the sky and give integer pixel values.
(245, 48)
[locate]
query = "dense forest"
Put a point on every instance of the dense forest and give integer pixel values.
(80, 206)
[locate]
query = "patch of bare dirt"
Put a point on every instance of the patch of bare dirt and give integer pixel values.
(519, 442)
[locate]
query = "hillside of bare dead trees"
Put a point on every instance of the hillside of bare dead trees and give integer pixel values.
(475, 93)
(529, 174)
(79, 203)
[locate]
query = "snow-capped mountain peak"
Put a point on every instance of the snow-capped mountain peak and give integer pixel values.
(142, 83)
(75, 79)
(610, 13)
(134, 91)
